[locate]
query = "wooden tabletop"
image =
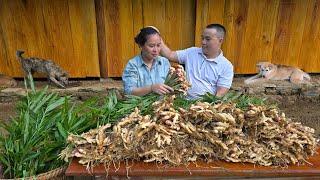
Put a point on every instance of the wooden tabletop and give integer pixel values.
(214, 169)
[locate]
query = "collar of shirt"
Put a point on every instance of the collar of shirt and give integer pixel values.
(142, 63)
(216, 59)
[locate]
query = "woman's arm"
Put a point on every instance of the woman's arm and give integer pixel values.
(157, 88)
(142, 91)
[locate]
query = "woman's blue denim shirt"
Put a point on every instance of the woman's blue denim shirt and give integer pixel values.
(137, 74)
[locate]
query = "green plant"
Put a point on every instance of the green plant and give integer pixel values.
(35, 137)
(242, 101)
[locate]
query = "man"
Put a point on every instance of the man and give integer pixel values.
(207, 69)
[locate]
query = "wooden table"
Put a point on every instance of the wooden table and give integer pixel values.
(201, 169)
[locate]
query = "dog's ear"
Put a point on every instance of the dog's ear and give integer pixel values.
(271, 66)
(259, 64)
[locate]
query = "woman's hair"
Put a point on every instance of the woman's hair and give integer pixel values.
(141, 38)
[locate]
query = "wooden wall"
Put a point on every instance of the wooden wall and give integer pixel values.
(62, 30)
(121, 21)
(281, 31)
(93, 38)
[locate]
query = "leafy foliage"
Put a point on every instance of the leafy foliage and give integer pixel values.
(242, 101)
(36, 136)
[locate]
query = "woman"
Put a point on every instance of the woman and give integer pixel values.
(146, 72)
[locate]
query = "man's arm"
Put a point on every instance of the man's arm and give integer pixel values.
(221, 91)
(225, 81)
(167, 53)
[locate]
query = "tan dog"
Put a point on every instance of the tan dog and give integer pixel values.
(269, 71)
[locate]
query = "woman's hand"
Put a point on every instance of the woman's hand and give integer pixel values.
(161, 89)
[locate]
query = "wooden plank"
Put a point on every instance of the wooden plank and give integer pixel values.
(84, 38)
(201, 17)
(102, 37)
(288, 38)
(20, 30)
(239, 12)
(216, 12)
(215, 169)
(154, 14)
(249, 17)
(188, 24)
(174, 19)
(310, 56)
(58, 35)
(258, 35)
(112, 25)
(230, 41)
(137, 11)
(172, 11)
(126, 18)
(268, 31)
(4, 56)
(119, 30)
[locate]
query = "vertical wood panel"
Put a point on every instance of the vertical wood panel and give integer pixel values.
(119, 32)
(238, 11)
(208, 12)
(188, 24)
(57, 34)
(137, 8)
(258, 31)
(289, 33)
(84, 37)
(268, 30)
(101, 34)
(230, 41)
(201, 15)
(310, 55)
(62, 30)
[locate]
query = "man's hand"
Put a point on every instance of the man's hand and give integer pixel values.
(221, 91)
(167, 53)
(161, 89)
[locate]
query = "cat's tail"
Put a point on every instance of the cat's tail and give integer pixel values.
(19, 54)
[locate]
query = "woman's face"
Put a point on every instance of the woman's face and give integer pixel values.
(151, 49)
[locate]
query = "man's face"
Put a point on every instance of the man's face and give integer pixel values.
(211, 42)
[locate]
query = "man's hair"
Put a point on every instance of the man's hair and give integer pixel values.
(221, 30)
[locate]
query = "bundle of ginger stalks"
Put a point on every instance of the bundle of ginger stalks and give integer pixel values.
(205, 131)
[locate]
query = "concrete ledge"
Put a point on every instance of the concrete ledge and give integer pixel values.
(98, 88)
(85, 90)
(283, 88)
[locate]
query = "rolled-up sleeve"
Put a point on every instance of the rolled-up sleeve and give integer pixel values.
(225, 80)
(182, 56)
(166, 66)
(130, 78)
